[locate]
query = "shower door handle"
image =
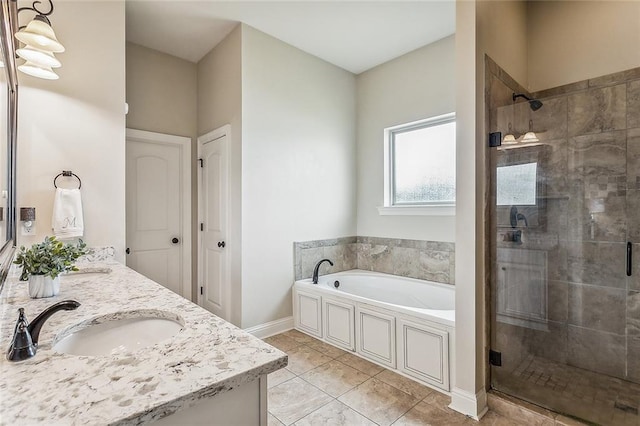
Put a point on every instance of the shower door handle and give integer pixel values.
(629, 258)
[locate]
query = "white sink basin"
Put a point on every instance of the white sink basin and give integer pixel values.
(119, 332)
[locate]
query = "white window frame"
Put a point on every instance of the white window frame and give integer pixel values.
(422, 209)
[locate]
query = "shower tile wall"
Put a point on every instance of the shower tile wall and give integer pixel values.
(427, 260)
(341, 251)
(589, 168)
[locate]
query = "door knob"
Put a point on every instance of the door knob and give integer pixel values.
(128, 250)
(221, 244)
(174, 240)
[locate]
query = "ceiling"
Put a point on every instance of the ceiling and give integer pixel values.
(354, 35)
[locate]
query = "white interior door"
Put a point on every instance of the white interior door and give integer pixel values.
(157, 178)
(214, 293)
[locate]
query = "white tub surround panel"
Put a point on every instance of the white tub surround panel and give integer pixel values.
(307, 308)
(207, 358)
(339, 323)
(400, 323)
(376, 335)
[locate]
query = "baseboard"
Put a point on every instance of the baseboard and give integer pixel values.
(474, 406)
(270, 328)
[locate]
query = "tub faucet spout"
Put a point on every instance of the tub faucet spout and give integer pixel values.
(317, 269)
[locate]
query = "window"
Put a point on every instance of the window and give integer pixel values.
(420, 171)
(517, 185)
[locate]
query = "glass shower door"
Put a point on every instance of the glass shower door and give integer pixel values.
(565, 316)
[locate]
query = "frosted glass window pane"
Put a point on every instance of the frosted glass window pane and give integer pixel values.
(517, 185)
(425, 165)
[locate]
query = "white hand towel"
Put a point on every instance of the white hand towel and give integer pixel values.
(67, 218)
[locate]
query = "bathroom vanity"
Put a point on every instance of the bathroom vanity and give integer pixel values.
(207, 372)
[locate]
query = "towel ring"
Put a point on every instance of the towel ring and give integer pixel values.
(67, 173)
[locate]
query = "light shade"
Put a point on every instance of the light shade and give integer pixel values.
(38, 57)
(509, 139)
(40, 35)
(529, 137)
(38, 71)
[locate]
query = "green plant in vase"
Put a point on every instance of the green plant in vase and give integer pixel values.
(43, 263)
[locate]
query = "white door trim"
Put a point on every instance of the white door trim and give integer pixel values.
(209, 137)
(185, 143)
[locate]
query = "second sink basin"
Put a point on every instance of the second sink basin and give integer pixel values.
(119, 332)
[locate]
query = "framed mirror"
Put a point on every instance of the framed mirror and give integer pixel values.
(8, 138)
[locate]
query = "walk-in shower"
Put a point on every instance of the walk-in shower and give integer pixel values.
(565, 315)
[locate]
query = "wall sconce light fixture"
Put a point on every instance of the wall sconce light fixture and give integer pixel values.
(27, 217)
(530, 136)
(40, 44)
(509, 138)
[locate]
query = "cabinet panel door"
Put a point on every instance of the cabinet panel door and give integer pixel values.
(339, 328)
(308, 316)
(376, 336)
(423, 353)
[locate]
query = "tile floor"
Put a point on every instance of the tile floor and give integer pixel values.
(324, 385)
(592, 396)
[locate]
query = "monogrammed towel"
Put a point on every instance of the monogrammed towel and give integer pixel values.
(67, 218)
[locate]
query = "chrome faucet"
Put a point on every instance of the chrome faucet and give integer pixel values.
(25, 336)
(317, 269)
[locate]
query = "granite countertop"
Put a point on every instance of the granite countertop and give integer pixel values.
(207, 357)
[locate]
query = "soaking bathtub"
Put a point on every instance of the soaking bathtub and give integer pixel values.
(401, 323)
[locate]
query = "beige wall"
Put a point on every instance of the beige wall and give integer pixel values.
(162, 97)
(298, 157)
(478, 34)
(220, 85)
(415, 86)
(220, 102)
(571, 41)
(503, 27)
(466, 383)
(161, 92)
(545, 44)
(77, 123)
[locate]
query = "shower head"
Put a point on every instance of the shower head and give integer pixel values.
(534, 104)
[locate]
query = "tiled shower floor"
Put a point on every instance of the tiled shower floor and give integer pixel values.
(323, 385)
(592, 396)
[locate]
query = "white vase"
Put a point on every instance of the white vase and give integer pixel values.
(43, 286)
